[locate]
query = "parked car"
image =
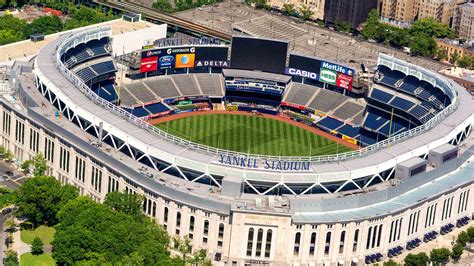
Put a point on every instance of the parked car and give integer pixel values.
(9, 173)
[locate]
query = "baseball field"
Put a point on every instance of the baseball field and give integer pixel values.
(251, 134)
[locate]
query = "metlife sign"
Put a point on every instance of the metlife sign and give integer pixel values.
(301, 73)
(337, 68)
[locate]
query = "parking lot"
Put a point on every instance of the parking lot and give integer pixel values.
(304, 38)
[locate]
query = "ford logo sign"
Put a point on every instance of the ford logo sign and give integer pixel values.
(166, 58)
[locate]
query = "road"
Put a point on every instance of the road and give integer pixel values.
(3, 236)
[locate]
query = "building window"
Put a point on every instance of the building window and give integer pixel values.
(258, 251)
(6, 123)
(356, 240)
(296, 249)
(49, 149)
(153, 213)
(206, 227)
(220, 234)
(34, 140)
(113, 185)
(80, 169)
(327, 244)
(165, 216)
(250, 242)
(178, 219)
(20, 132)
(64, 159)
(268, 243)
(191, 224)
(96, 179)
(312, 244)
(341, 242)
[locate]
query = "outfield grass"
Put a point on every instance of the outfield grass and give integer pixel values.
(29, 259)
(45, 233)
(251, 134)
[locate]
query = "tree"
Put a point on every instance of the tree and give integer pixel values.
(454, 57)
(371, 25)
(11, 258)
(422, 44)
(390, 262)
(97, 233)
(465, 62)
(457, 251)
(399, 37)
(8, 156)
(46, 25)
(200, 258)
(470, 233)
(126, 203)
(163, 6)
(416, 259)
(25, 166)
(343, 26)
(289, 9)
(440, 255)
(37, 246)
(306, 12)
(183, 246)
(431, 28)
(441, 54)
(10, 224)
(462, 238)
(39, 165)
(40, 198)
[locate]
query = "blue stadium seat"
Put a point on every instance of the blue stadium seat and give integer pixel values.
(140, 111)
(381, 96)
(107, 92)
(157, 108)
(401, 103)
(330, 123)
(349, 130)
(104, 67)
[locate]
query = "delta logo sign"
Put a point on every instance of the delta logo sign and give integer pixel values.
(149, 64)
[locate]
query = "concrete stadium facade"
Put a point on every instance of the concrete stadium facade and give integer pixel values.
(237, 228)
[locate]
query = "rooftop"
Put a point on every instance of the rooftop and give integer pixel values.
(461, 73)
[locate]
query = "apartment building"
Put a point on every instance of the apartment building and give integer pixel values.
(464, 21)
(317, 6)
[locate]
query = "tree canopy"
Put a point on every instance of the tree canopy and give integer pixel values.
(416, 259)
(127, 203)
(439, 255)
(40, 198)
(91, 233)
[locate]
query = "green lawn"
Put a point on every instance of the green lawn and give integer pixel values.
(29, 259)
(6, 197)
(44, 232)
(251, 134)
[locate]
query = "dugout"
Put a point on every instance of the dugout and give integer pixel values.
(443, 153)
(37, 37)
(410, 168)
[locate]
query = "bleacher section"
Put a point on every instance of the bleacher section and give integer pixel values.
(210, 84)
(348, 110)
(186, 84)
(84, 52)
(327, 100)
(95, 69)
(140, 91)
(162, 86)
(330, 123)
(107, 92)
(300, 93)
(384, 123)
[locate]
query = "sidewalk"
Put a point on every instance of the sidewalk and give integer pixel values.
(18, 245)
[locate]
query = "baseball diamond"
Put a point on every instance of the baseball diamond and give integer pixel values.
(251, 134)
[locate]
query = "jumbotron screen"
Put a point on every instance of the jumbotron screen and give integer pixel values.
(258, 54)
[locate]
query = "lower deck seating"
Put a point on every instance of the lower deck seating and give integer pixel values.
(330, 123)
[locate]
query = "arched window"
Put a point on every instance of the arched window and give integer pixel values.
(379, 236)
(178, 219)
(374, 236)
(206, 227)
(250, 242)
(296, 249)
(369, 236)
(327, 244)
(221, 231)
(191, 223)
(356, 240)
(312, 244)
(258, 252)
(341, 242)
(165, 216)
(268, 243)
(153, 213)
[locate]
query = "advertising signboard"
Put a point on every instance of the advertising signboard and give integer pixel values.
(344, 81)
(212, 63)
(148, 64)
(166, 61)
(337, 68)
(328, 76)
(301, 73)
(184, 61)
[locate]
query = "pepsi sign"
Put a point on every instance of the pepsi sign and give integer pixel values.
(301, 73)
(337, 68)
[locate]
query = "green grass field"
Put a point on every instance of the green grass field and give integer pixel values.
(251, 134)
(29, 259)
(45, 233)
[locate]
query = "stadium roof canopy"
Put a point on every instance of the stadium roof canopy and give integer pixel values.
(255, 75)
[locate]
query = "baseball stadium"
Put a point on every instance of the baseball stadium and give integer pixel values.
(258, 154)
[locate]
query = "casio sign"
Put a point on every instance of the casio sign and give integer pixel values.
(301, 73)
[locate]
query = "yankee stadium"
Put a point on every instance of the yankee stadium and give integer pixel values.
(258, 154)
